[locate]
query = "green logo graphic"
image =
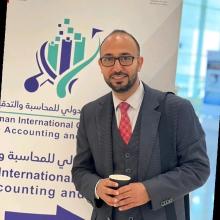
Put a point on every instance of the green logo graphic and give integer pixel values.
(61, 60)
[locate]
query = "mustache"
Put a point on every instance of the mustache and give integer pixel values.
(118, 74)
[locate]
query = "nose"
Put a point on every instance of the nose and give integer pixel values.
(117, 67)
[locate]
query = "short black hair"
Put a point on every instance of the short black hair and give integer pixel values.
(119, 31)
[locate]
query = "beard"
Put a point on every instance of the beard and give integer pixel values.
(119, 87)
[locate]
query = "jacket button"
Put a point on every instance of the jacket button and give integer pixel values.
(128, 170)
(171, 200)
(127, 155)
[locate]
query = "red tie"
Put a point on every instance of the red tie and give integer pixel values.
(125, 124)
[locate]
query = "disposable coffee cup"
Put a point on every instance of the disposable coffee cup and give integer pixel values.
(122, 180)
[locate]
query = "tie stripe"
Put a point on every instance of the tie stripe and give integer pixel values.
(125, 124)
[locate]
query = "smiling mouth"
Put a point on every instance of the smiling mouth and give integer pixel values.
(118, 76)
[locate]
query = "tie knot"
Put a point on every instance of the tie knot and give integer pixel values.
(124, 107)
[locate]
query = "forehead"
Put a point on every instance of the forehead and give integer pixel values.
(118, 44)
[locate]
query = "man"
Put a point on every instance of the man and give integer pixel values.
(104, 149)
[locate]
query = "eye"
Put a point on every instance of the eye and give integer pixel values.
(126, 58)
(107, 59)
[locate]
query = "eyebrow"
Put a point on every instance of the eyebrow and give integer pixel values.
(121, 54)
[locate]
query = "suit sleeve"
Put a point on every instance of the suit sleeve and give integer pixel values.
(192, 168)
(83, 170)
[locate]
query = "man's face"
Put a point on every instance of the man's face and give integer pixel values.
(119, 77)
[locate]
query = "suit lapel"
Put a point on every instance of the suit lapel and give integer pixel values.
(104, 122)
(149, 127)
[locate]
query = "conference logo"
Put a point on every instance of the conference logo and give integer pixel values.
(60, 61)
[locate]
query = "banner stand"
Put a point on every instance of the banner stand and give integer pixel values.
(216, 211)
(3, 11)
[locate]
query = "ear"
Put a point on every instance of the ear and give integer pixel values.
(100, 65)
(99, 62)
(140, 61)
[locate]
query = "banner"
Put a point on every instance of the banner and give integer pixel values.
(50, 71)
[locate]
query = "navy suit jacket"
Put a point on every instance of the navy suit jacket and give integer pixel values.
(93, 159)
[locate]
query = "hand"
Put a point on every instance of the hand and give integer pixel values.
(132, 195)
(106, 193)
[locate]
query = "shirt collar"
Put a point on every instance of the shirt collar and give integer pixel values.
(134, 100)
